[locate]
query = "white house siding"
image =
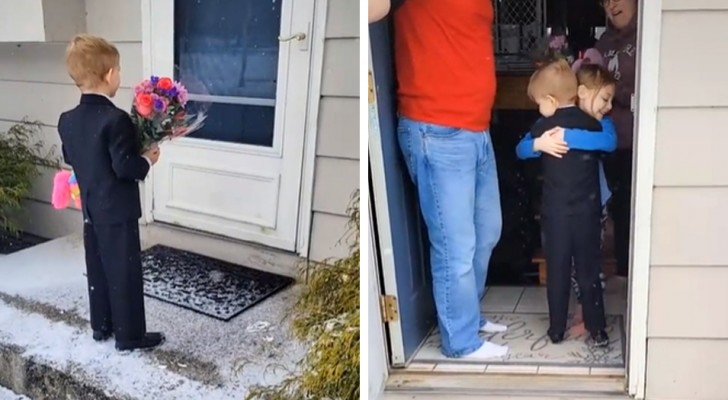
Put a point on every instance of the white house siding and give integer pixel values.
(34, 84)
(337, 153)
(688, 323)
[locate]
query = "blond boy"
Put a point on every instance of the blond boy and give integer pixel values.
(99, 142)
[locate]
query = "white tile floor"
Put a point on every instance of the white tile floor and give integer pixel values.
(526, 309)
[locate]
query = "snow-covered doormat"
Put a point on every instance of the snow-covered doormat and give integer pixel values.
(12, 242)
(215, 288)
(528, 344)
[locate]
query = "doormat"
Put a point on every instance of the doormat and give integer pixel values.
(528, 344)
(12, 242)
(215, 288)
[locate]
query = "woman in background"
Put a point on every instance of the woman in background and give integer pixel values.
(618, 47)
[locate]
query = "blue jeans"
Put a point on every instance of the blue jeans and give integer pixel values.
(457, 184)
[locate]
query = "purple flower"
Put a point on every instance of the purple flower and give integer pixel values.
(154, 79)
(159, 104)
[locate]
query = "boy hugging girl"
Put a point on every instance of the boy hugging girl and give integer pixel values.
(100, 142)
(568, 139)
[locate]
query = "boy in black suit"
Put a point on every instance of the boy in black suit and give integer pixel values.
(99, 141)
(571, 205)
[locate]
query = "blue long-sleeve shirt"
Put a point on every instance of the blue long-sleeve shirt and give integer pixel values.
(576, 139)
(580, 140)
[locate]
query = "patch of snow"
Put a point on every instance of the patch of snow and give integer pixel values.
(6, 394)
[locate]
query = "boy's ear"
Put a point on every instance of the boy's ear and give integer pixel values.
(552, 100)
(582, 92)
(107, 77)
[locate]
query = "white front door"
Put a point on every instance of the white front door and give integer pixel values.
(247, 64)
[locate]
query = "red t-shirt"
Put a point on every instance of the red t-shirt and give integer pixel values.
(445, 63)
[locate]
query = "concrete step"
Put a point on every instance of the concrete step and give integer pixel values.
(413, 385)
(47, 353)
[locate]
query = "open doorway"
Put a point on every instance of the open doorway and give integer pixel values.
(515, 295)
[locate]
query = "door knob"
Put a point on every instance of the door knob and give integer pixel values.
(296, 36)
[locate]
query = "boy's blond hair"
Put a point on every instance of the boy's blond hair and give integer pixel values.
(594, 76)
(554, 79)
(89, 58)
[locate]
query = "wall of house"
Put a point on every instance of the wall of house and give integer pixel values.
(34, 84)
(687, 344)
(337, 154)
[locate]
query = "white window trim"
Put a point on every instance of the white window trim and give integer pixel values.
(305, 215)
(648, 68)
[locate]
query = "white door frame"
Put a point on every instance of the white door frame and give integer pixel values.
(643, 183)
(647, 80)
(379, 194)
(305, 212)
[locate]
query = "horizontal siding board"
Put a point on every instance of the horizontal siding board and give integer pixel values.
(686, 369)
(43, 220)
(341, 68)
(47, 101)
(690, 145)
(694, 5)
(342, 20)
(689, 226)
(118, 21)
(688, 302)
(44, 62)
(338, 134)
(691, 55)
(330, 236)
(335, 181)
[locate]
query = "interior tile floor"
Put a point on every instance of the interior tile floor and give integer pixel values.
(525, 311)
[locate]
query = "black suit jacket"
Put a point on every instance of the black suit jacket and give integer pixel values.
(100, 142)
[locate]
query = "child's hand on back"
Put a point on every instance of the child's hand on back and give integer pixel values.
(152, 154)
(552, 143)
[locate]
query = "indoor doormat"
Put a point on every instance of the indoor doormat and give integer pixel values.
(215, 288)
(12, 242)
(528, 344)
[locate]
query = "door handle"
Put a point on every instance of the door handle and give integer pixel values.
(300, 36)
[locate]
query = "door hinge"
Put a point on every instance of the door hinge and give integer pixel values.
(390, 309)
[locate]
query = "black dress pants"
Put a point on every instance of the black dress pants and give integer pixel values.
(115, 286)
(573, 240)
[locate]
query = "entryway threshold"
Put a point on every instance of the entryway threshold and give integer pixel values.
(490, 386)
(512, 369)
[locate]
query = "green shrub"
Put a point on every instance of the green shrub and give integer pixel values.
(326, 317)
(21, 156)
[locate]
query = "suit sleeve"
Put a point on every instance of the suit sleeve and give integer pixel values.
(123, 148)
(66, 159)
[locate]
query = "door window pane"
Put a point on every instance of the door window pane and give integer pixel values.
(226, 53)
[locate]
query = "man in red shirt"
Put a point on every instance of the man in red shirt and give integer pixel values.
(446, 75)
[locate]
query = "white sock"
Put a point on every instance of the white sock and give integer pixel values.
(492, 327)
(486, 351)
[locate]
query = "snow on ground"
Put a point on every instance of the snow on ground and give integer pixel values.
(51, 274)
(6, 394)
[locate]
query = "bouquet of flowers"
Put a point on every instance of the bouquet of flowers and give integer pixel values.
(159, 112)
(555, 47)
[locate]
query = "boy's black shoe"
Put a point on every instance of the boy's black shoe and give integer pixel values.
(600, 338)
(102, 336)
(148, 342)
(556, 337)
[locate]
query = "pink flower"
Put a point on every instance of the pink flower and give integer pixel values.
(182, 95)
(557, 42)
(144, 103)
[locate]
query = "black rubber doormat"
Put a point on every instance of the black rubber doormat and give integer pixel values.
(12, 242)
(215, 288)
